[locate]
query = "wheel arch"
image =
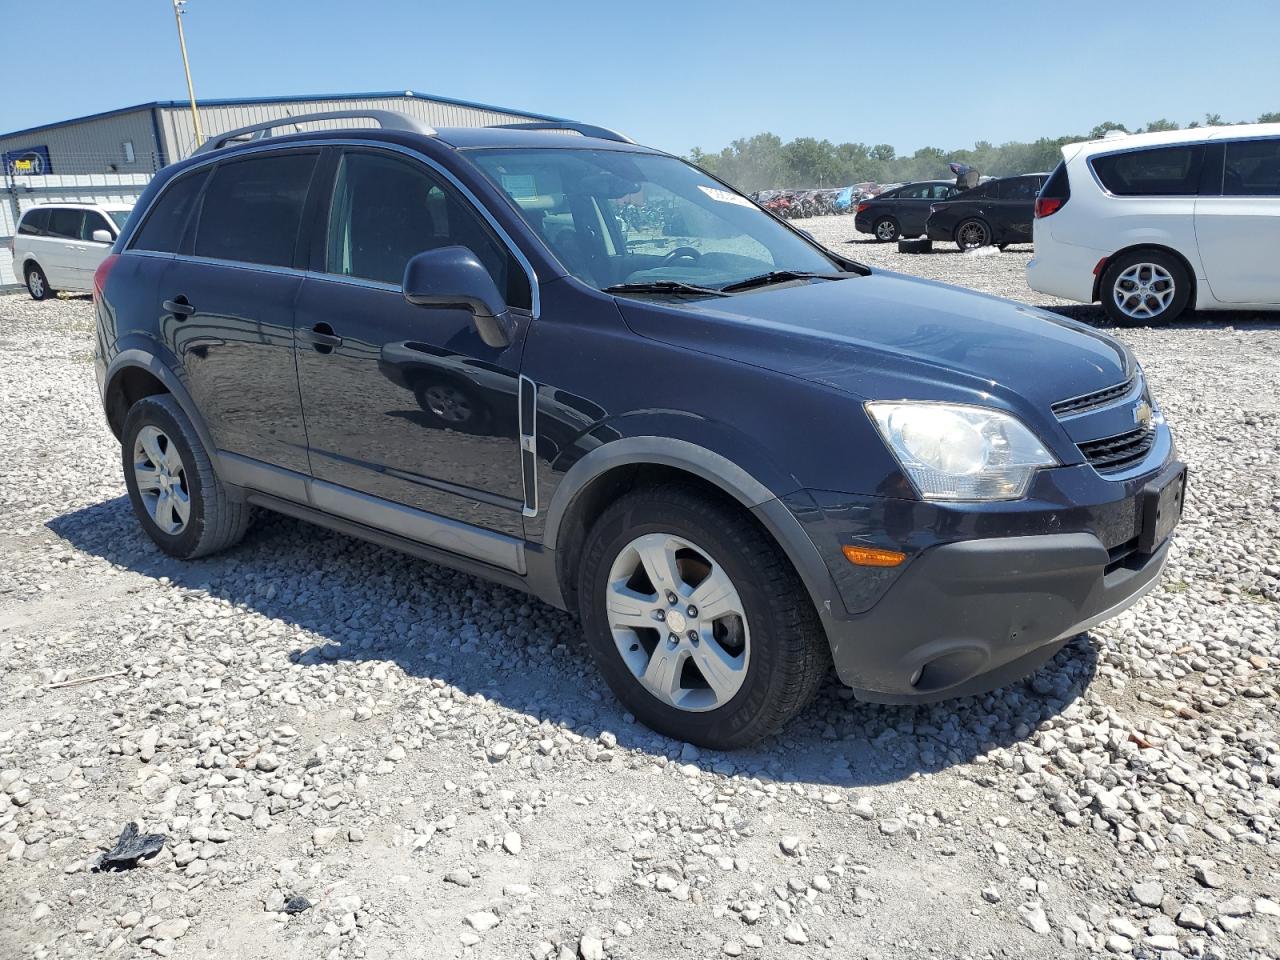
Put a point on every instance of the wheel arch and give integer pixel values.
(134, 374)
(1105, 264)
(607, 472)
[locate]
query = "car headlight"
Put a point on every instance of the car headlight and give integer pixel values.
(957, 452)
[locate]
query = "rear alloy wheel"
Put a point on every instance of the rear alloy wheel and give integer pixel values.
(697, 621)
(38, 284)
(886, 229)
(1144, 288)
(972, 234)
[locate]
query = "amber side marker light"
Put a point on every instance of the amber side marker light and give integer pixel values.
(873, 556)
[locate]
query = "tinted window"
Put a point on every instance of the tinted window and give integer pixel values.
(252, 209)
(1058, 186)
(65, 223)
(1252, 169)
(1019, 188)
(1159, 172)
(34, 223)
(386, 210)
(917, 192)
(93, 221)
(162, 230)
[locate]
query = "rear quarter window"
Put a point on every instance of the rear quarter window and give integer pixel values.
(34, 223)
(1156, 172)
(162, 230)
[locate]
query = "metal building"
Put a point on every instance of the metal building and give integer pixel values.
(146, 137)
(112, 155)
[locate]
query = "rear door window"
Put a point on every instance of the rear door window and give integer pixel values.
(1157, 172)
(1019, 188)
(162, 230)
(65, 223)
(918, 192)
(252, 209)
(1252, 168)
(35, 223)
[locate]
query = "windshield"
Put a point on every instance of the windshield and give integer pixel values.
(632, 218)
(119, 216)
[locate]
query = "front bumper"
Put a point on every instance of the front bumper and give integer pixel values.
(988, 591)
(971, 616)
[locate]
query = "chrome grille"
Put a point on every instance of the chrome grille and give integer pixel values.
(1113, 454)
(1092, 401)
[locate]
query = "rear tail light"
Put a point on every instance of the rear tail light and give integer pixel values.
(100, 275)
(862, 207)
(1046, 206)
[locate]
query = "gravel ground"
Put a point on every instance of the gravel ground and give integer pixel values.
(354, 754)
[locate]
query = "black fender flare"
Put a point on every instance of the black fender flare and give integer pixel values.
(722, 473)
(138, 357)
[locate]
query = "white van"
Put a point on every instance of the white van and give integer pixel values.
(58, 246)
(1152, 223)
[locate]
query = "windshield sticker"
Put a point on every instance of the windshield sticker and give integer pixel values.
(518, 185)
(725, 196)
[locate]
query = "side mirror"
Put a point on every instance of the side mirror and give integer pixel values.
(103, 236)
(453, 278)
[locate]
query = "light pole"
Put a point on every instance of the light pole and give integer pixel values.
(191, 90)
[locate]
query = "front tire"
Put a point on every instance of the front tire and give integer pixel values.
(180, 502)
(697, 621)
(38, 284)
(1145, 288)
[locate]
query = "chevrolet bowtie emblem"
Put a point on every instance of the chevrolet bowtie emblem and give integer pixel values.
(1142, 414)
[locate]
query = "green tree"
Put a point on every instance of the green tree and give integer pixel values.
(1212, 119)
(1269, 117)
(1155, 126)
(1102, 129)
(883, 152)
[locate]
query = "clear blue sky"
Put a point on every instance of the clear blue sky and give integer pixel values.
(677, 74)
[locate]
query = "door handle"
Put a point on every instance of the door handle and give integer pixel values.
(179, 307)
(322, 337)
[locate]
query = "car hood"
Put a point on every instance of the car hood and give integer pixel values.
(889, 336)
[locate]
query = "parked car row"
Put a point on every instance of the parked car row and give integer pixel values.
(998, 211)
(308, 324)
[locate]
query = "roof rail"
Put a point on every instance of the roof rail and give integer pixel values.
(386, 119)
(586, 129)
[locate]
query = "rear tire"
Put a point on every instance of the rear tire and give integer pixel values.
(886, 230)
(1144, 288)
(757, 631)
(180, 502)
(972, 233)
(38, 284)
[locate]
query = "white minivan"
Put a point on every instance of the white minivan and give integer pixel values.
(58, 246)
(1152, 223)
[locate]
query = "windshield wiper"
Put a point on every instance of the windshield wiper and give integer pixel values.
(665, 286)
(778, 276)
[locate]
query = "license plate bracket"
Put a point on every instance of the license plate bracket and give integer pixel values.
(1162, 501)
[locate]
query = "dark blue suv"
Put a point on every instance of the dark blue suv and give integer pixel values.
(557, 359)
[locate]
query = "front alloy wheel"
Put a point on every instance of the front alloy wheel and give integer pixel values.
(678, 622)
(696, 619)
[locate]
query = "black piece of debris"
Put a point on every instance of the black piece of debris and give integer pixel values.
(130, 848)
(296, 904)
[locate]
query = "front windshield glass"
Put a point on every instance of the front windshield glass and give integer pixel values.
(613, 218)
(119, 216)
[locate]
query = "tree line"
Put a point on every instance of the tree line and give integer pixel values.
(764, 161)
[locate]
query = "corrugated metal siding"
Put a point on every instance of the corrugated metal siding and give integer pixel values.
(94, 145)
(179, 134)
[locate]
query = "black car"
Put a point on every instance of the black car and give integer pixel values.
(998, 212)
(901, 212)
(740, 457)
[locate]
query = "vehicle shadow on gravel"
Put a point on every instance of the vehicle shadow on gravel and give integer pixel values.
(359, 602)
(1242, 320)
